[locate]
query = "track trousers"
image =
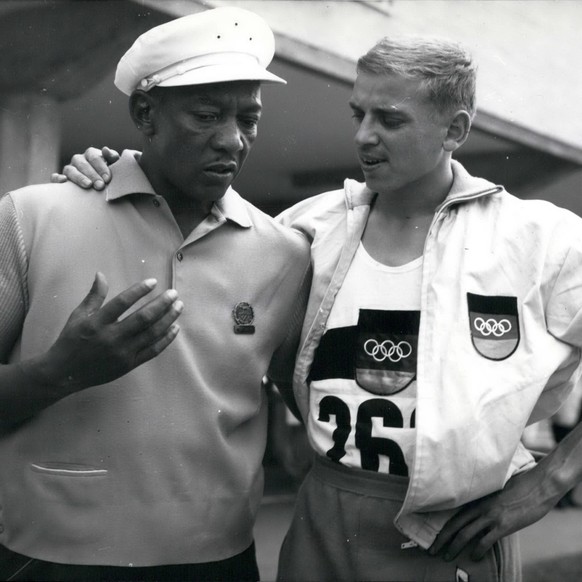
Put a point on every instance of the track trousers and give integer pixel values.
(343, 530)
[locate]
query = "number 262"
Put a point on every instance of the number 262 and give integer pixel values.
(370, 447)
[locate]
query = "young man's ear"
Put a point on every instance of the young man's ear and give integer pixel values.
(141, 106)
(458, 131)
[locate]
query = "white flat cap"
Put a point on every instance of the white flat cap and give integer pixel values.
(224, 44)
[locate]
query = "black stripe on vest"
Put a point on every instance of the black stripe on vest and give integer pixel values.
(334, 357)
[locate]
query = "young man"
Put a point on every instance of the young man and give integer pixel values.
(444, 315)
(112, 469)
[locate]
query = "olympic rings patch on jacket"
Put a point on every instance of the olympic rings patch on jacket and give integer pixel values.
(494, 323)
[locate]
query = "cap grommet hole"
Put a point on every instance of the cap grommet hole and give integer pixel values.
(218, 36)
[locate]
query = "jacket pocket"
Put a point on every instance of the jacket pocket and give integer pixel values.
(67, 469)
(494, 323)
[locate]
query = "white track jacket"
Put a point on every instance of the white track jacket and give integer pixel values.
(500, 331)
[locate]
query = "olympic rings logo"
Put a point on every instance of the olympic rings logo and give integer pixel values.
(491, 326)
(387, 349)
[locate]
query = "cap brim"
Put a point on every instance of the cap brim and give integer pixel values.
(221, 74)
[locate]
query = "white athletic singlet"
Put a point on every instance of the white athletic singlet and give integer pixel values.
(363, 378)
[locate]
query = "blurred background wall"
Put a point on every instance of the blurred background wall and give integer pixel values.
(57, 96)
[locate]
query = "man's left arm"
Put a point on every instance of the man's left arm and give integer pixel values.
(525, 499)
(529, 496)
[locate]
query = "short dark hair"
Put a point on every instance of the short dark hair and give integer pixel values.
(446, 69)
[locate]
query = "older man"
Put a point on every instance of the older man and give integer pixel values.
(112, 469)
(444, 315)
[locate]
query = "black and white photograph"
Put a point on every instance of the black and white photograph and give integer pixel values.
(290, 290)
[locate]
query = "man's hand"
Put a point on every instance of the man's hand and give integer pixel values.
(96, 346)
(89, 170)
(525, 499)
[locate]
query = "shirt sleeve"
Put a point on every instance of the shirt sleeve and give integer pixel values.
(13, 278)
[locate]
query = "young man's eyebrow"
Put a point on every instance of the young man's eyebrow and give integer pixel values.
(384, 110)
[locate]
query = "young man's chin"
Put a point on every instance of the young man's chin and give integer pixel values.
(376, 184)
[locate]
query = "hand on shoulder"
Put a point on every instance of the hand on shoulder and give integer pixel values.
(90, 169)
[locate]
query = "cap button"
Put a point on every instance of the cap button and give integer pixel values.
(144, 82)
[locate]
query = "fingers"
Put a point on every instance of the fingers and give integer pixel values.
(468, 528)
(58, 178)
(469, 535)
(117, 306)
(97, 345)
(89, 170)
(96, 296)
(152, 328)
(81, 172)
(450, 530)
(154, 317)
(99, 165)
(485, 544)
(110, 156)
(153, 349)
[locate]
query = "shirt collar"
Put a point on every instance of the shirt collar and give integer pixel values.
(128, 178)
(233, 208)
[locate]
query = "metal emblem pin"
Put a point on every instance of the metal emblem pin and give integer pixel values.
(244, 317)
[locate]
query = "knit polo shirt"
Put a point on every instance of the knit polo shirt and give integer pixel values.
(162, 466)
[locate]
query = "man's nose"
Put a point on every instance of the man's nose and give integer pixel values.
(229, 137)
(366, 132)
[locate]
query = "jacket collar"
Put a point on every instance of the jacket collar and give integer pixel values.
(464, 186)
(358, 194)
(467, 186)
(129, 178)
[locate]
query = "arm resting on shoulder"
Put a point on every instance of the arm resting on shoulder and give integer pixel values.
(89, 170)
(283, 361)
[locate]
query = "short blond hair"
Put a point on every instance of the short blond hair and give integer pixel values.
(445, 68)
